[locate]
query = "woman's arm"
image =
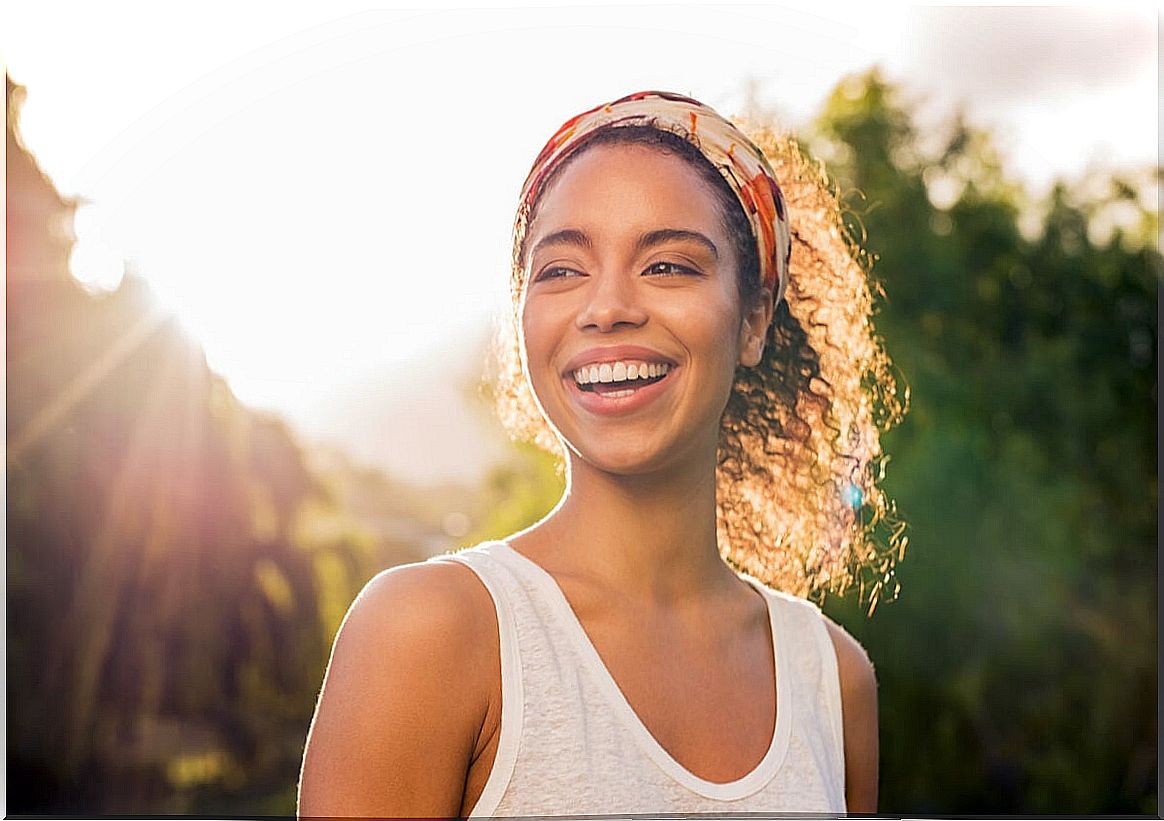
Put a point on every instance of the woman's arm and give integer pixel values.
(859, 709)
(404, 698)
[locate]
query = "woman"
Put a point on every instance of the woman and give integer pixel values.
(710, 398)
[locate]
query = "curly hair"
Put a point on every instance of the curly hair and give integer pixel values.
(799, 502)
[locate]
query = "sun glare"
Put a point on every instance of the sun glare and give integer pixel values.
(318, 195)
(95, 261)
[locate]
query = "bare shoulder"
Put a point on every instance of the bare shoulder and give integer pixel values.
(853, 664)
(429, 617)
(404, 696)
(420, 598)
(859, 717)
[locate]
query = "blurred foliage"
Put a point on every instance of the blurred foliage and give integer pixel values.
(178, 564)
(1018, 669)
(514, 496)
(164, 630)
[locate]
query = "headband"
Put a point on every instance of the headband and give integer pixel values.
(736, 157)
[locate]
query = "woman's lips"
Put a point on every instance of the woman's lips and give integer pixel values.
(606, 405)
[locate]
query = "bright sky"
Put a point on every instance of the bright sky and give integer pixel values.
(320, 189)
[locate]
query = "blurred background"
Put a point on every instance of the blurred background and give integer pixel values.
(253, 259)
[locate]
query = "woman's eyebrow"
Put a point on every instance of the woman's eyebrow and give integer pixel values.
(580, 239)
(652, 238)
(566, 236)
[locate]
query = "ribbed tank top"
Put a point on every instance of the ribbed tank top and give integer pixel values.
(570, 743)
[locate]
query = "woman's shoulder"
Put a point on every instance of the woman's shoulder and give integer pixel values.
(410, 684)
(423, 624)
(858, 682)
(857, 690)
(855, 668)
(440, 600)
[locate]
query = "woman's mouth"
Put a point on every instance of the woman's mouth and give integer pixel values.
(603, 389)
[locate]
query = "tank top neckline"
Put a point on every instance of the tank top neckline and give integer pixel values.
(741, 787)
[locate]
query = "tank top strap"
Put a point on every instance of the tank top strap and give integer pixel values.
(507, 602)
(830, 688)
(814, 660)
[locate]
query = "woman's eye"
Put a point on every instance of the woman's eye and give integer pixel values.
(556, 272)
(669, 269)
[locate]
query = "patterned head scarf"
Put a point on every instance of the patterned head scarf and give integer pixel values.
(737, 158)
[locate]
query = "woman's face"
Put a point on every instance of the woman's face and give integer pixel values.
(630, 273)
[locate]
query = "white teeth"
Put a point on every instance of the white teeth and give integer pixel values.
(619, 372)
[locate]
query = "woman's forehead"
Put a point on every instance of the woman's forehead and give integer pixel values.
(626, 189)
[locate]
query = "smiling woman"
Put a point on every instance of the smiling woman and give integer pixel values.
(701, 358)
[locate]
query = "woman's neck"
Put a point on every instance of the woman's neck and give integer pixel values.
(649, 538)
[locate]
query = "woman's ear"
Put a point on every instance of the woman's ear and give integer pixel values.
(754, 329)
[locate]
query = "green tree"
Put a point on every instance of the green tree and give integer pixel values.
(1018, 668)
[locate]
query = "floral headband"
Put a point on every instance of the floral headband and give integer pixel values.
(736, 157)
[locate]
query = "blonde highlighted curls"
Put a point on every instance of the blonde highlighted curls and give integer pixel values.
(799, 464)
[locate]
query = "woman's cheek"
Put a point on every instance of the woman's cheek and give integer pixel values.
(536, 355)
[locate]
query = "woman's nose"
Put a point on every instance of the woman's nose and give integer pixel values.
(612, 300)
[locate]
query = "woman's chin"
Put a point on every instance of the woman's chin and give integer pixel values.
(632, 460)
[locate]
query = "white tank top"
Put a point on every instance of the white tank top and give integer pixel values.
(570, 744)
